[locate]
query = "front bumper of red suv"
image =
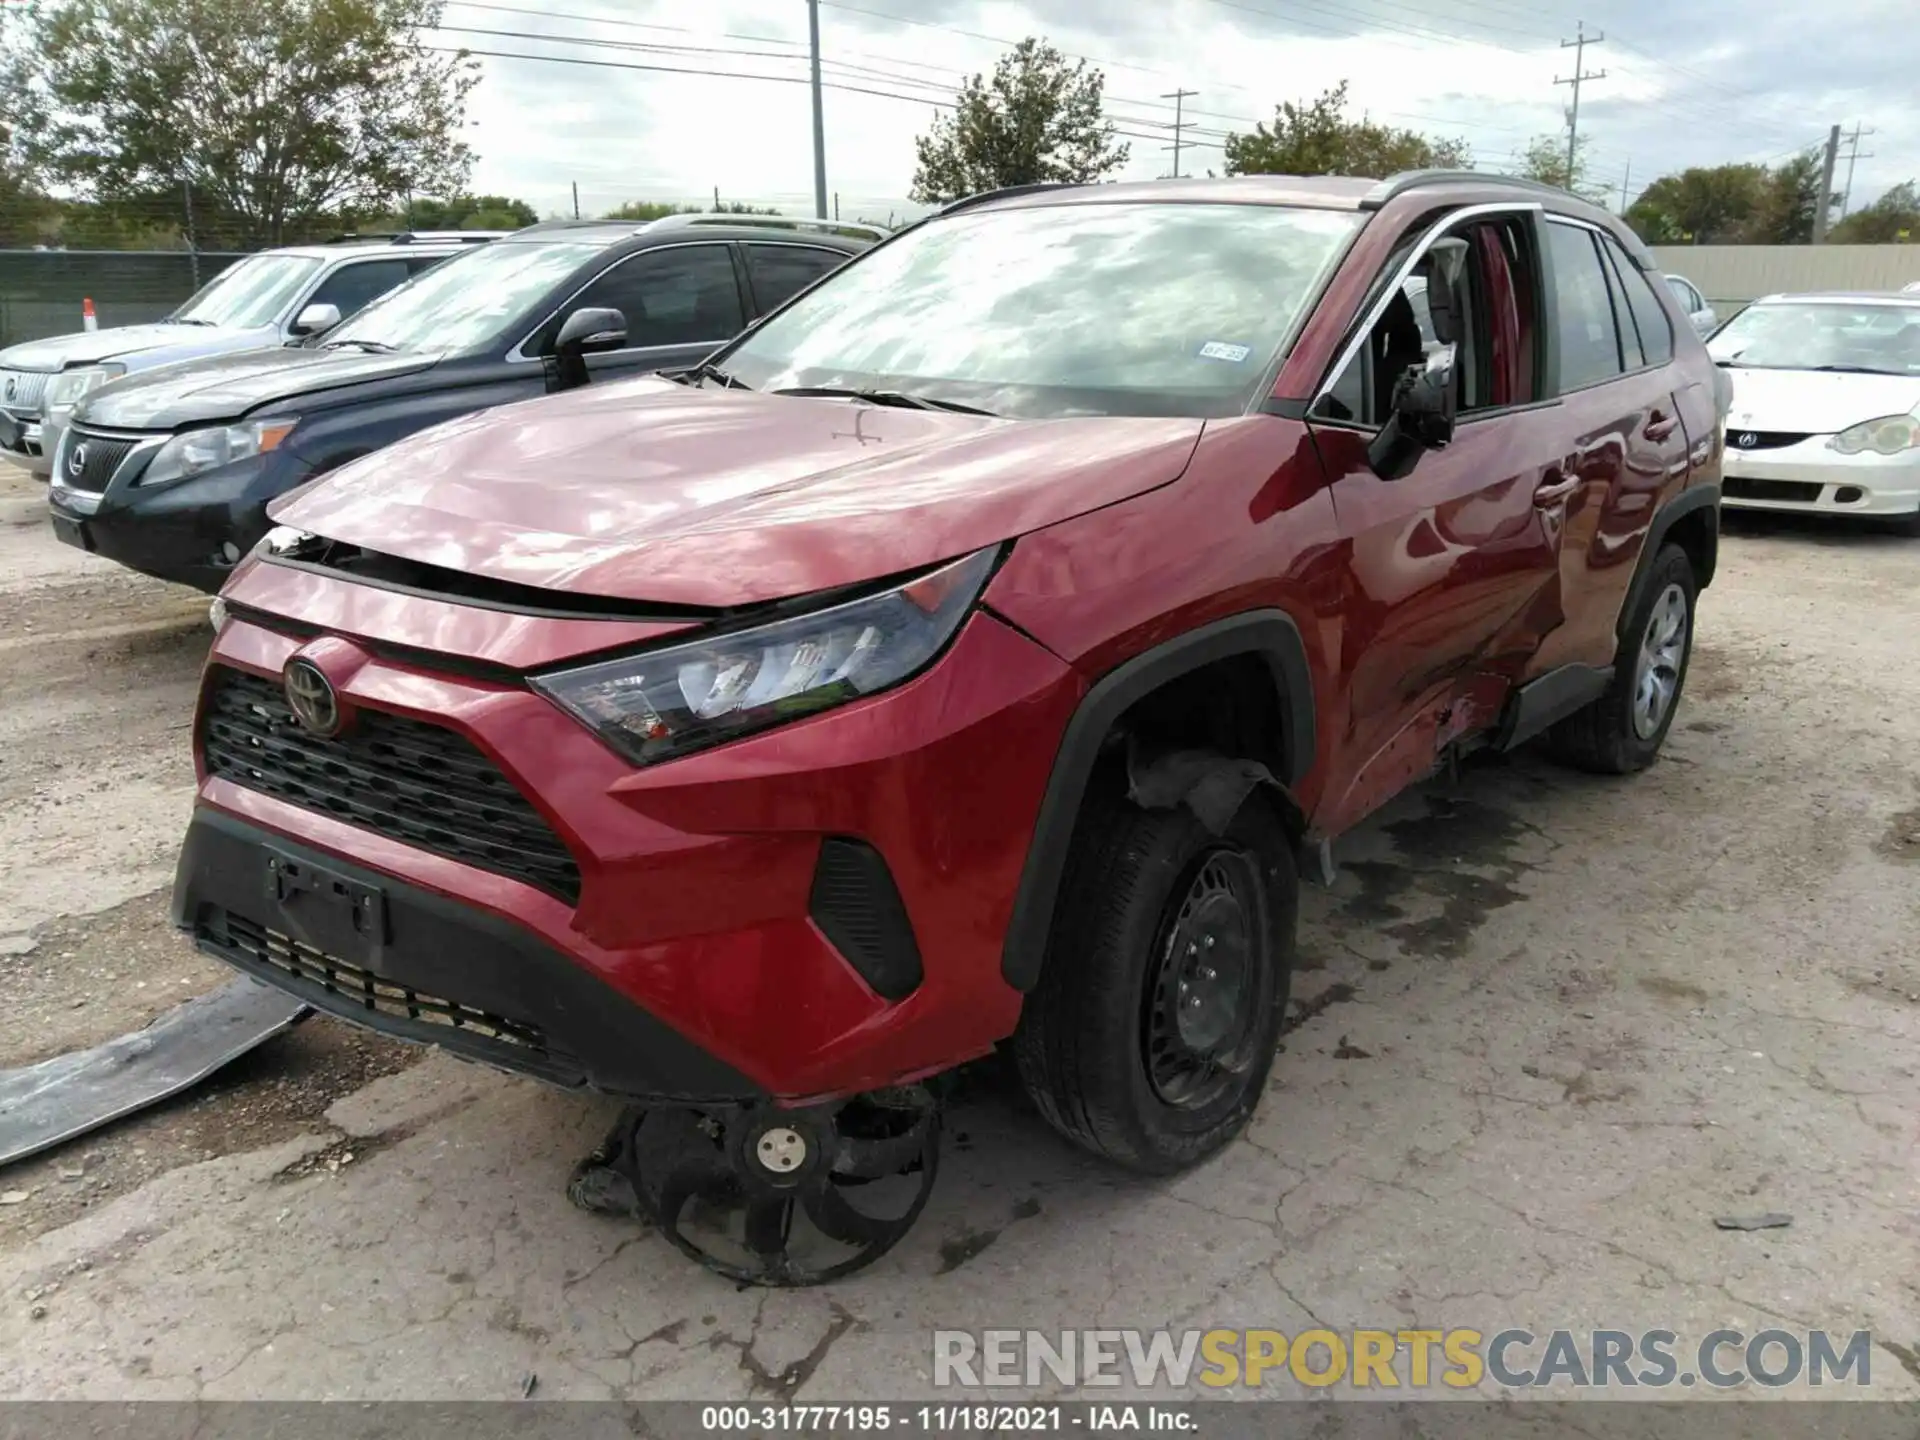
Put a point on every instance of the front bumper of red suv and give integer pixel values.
(810, 912)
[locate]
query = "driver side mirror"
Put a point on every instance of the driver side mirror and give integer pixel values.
(584, 333)
(314, 319)
(1421, 419)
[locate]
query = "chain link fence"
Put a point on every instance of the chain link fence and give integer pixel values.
(41, 290)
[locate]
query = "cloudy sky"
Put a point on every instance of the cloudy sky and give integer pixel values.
(1696, 83)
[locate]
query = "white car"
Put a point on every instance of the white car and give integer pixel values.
(1826, 405)
(1699, 312)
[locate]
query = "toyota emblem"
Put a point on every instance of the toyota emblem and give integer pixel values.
(77, 460)
(13, 386)
(1747, 440)
(310, 696)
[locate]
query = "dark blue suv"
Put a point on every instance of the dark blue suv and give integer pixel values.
(170, 472)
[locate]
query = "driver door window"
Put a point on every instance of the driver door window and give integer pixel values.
(1491, 365)
(680, 295)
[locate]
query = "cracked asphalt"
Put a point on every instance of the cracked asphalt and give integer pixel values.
(1546, 1029)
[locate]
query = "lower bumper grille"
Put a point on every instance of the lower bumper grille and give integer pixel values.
(1742, 487)
(335, 985)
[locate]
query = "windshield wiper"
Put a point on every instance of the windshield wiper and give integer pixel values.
(1854, 370)
(183, 320)
(372, 347)
(707, 370)
(900, 399)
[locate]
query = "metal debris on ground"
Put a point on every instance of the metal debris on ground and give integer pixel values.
(46, 1104)
(1772, 1220)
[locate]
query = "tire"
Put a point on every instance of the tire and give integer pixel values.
(1611, 735)
(1092, 1023)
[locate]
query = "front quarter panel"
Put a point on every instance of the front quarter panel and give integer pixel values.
(1250, 526)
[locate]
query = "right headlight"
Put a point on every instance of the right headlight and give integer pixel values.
(198, 451)
(665, 703)
(1888, 435)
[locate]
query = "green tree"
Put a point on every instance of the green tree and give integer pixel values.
(466, 212)
(1545, 160)
(285, 117)
(660, 209)
(1788, 200)
(1704, 205)
(1893, 219)
(1317, 138)
(1038, 119)
(24, 209)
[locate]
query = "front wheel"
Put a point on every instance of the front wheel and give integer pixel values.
(1623, 730)
(1156, 1019)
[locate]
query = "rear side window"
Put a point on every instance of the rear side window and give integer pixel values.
(780, 272)
(1589, 348)
(681, 295)
(1647, 315)
(352, 287)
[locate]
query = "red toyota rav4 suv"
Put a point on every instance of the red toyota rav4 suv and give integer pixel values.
(963, 655)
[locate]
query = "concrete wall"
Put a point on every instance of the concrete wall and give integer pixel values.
(1731, 275)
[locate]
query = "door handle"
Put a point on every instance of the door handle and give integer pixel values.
(1554, 489)
(1659, 426)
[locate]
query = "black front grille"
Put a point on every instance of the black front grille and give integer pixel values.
(420, 784)
(1763, 439)
(98, 460)
(342, 988)
(1746, 487)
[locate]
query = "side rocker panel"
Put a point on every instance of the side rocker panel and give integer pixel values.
(1271, 634)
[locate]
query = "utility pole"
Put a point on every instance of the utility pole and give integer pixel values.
(1179, 98)
(819, 115)
(1625, 176)
(576, 199)
(1826, 185)
(193, 245)
(1579, 77)
(1853, 155)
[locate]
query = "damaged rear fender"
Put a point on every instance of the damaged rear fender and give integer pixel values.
(1213, 784)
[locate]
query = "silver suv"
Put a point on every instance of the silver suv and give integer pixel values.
(264, 300)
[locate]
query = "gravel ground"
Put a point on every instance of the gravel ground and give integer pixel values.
(1546, 1029)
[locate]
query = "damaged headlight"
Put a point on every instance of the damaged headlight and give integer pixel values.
(665, 703)
(1888, 435)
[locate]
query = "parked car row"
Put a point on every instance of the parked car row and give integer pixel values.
(272, 298)
(170, 471)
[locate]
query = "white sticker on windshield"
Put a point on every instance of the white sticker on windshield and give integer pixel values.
(1221, 350)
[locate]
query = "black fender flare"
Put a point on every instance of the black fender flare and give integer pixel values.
(1269, 634)
(1694, 497)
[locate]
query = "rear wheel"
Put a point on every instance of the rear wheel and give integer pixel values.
(1623, 730)
(1150, 1035)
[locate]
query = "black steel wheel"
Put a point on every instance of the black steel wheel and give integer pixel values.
(1151, 1033)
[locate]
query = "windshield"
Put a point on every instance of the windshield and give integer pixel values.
(248, 293)
(467, 301)
(1883, 339)
(1090, 309)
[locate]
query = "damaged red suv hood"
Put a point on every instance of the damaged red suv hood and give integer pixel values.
(649, 490)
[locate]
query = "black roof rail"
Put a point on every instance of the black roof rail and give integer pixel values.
(1005, 192)
(1395, 185)
(407, 237)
